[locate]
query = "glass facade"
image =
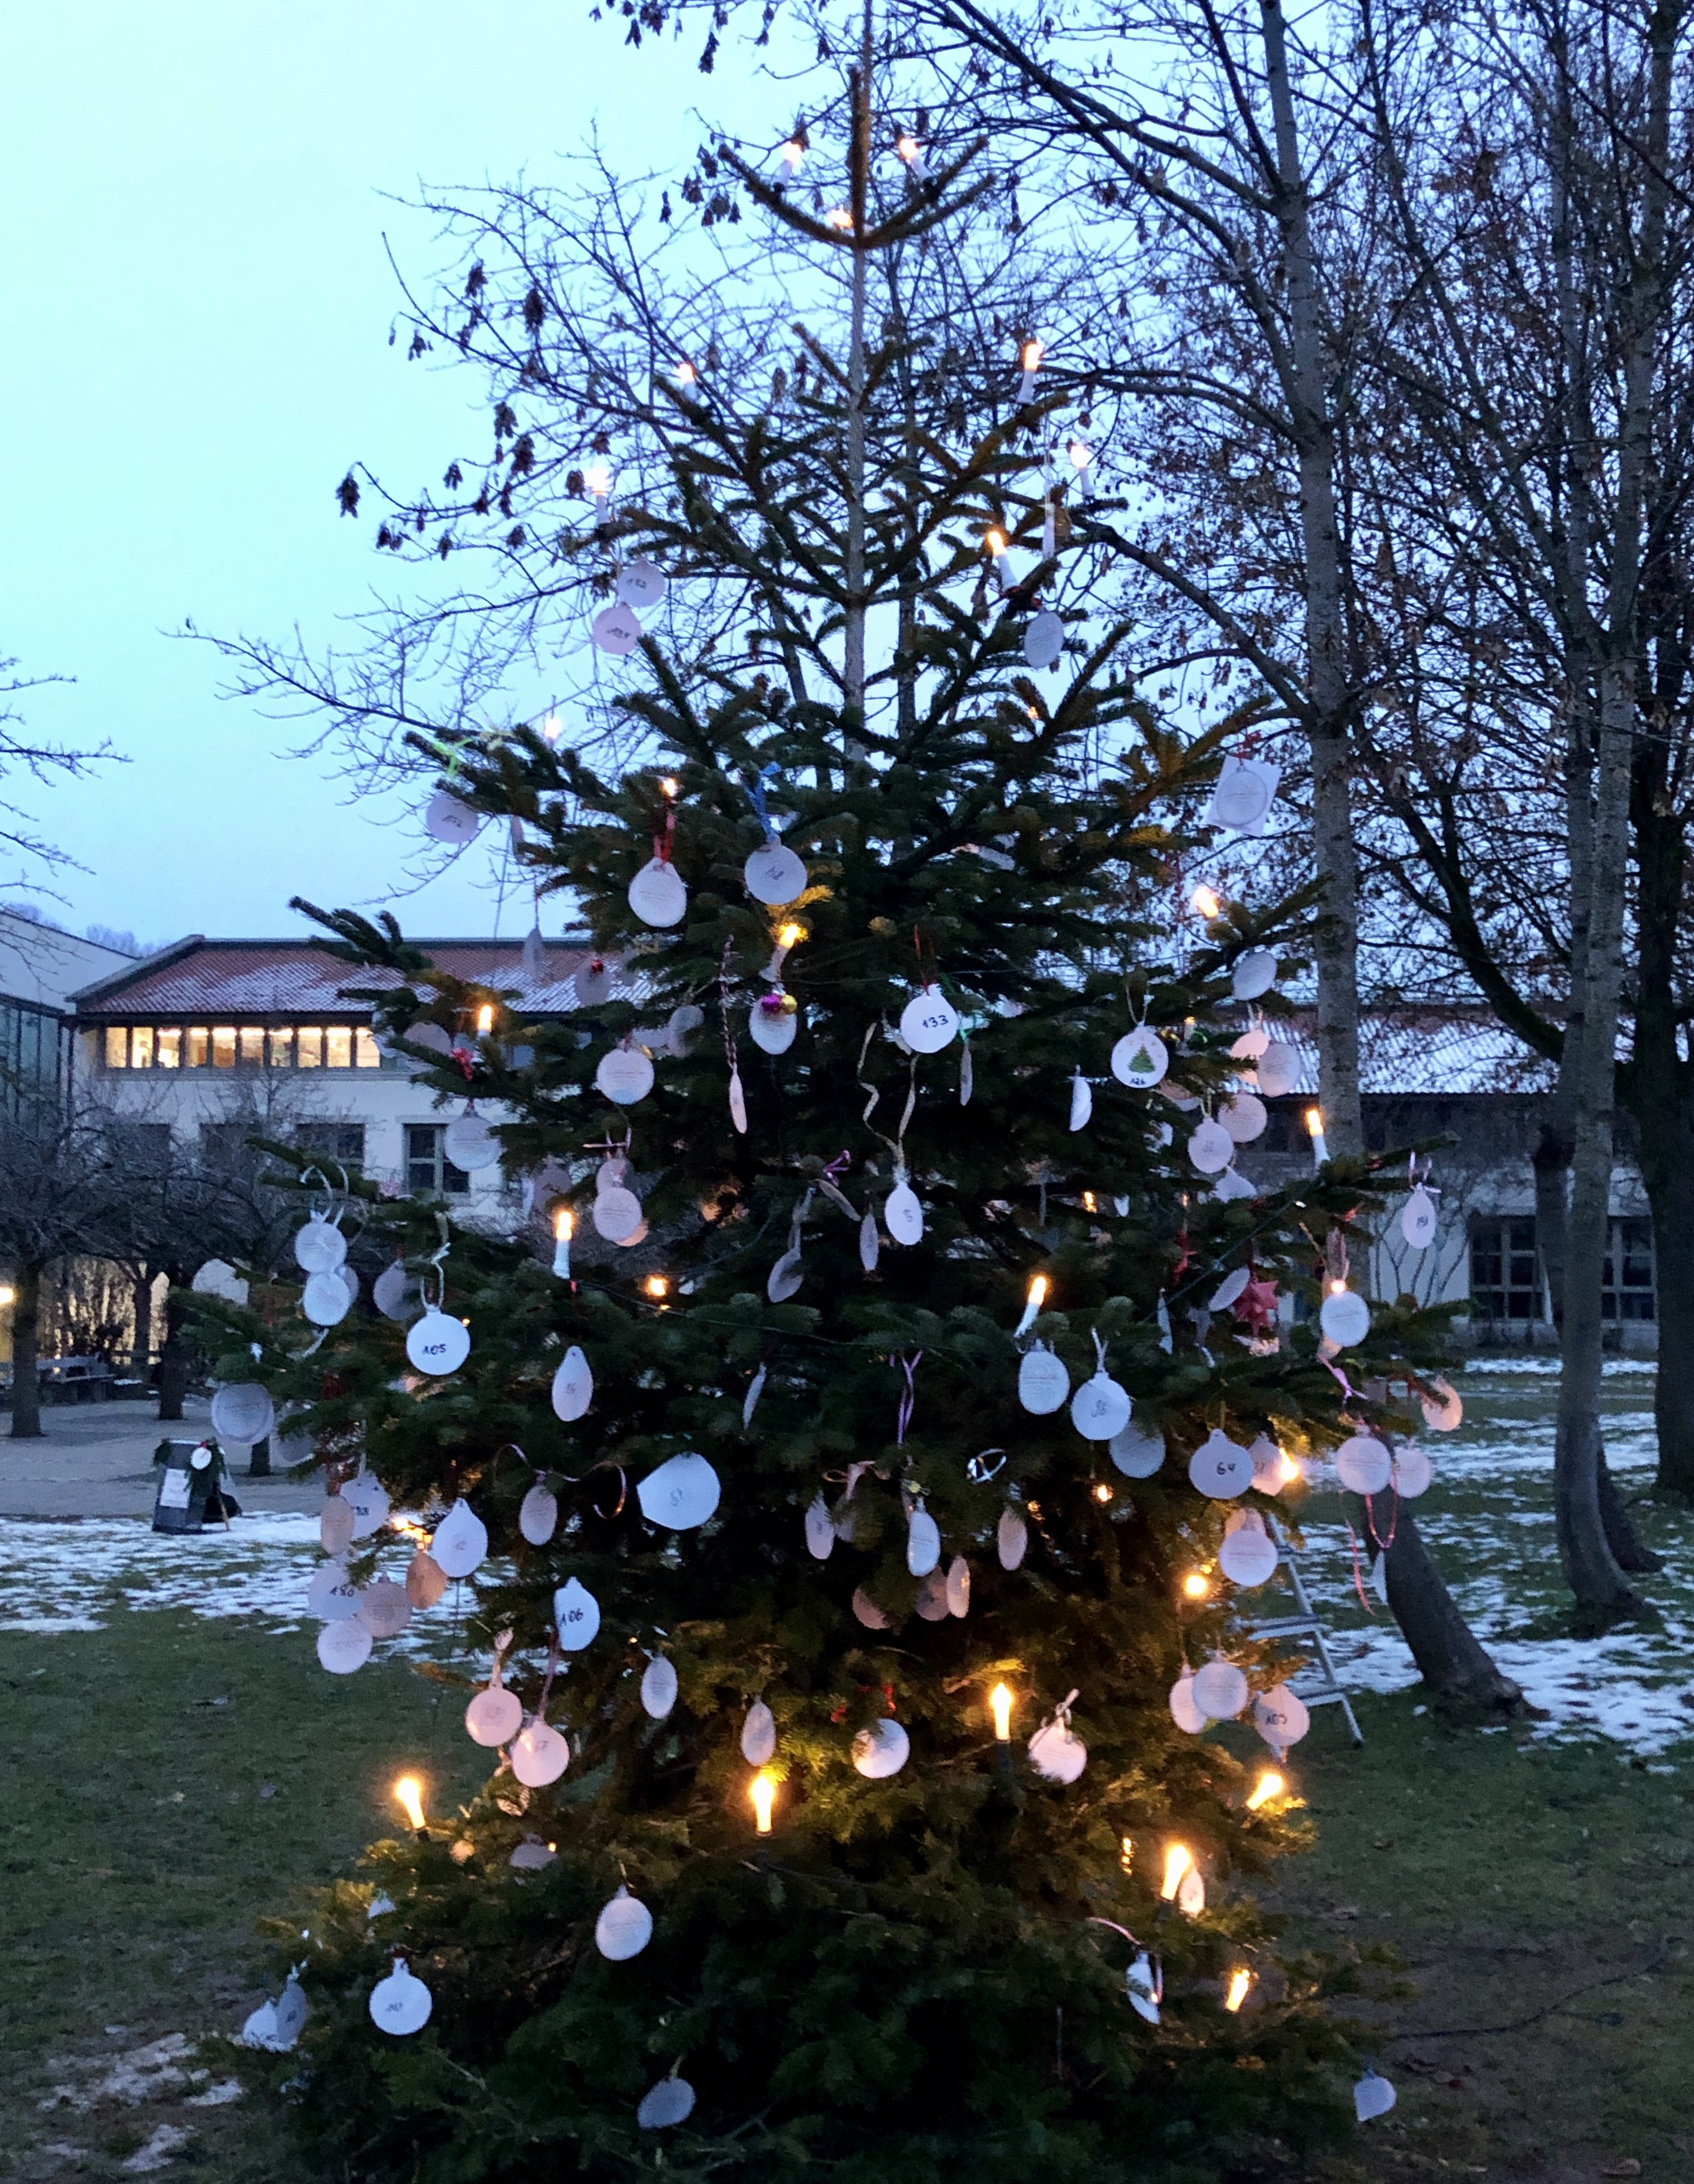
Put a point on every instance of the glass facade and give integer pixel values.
(1505, 1271)
(241, 1047)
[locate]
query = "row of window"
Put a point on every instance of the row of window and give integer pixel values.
(241, 1046)
(1506, 1281)
(428, 1171)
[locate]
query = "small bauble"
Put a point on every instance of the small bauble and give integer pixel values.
(641, 584)
(1056, 1754)
(573, 1386)
(1248, 1555)
(1140, 1058)
(331, 1596)
(1278, 1070)
(682, 1493)
(1082, 1101)
(469, 1143)
(1242, 799)
(1345, 1318)
(617, 1214)
(1219, 1469)
(931, 1602)
(426, 1579)
(870, 1243)
(902, 1215)
(1417, 1219)
(344, 1647)
(243, 1412)
(1244, 1117)
(1186, 1709)
(1211, 1148)
(447, 818)
(384, 1609)
(593, 982)
(539, 1755)
(400, 2004)
(758, 1735)
(659, 1687)
(867, 1612)
(1012, 1540)
(531, 1855)
(663, 2106)
(625, 1075)
(771, 1024)
(929, 1022)
(1043, 641)
(1254, 974)
(922, 1542)
(576, 1615)
(1100, 1408)
(958, 1586)
(395, 1293)
(437, 1343)
(1281, 1718)
(774, 875)
(538, 1516)
(1043, 1382)
(335, 1526)
(1412, 1472)
(325, 1300)
(1136, 1450)
(657, 893)
(460, 1541)
(368, 1502)
(1373, 2096)
(1363, 1465)
(494, 1716)
(881, 1750)
(820, 1529)
(617, 630)
(1220, 1691)
(1443, 1407)
(624, 1928)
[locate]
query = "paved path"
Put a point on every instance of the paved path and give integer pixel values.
(95, 1460)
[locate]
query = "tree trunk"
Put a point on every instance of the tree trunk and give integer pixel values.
(258, 1459)
(141, 1349)
(1460, 1676)
(173, 1359)
(26, 1394)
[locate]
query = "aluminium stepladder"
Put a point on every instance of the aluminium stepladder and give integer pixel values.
(1325, 1688)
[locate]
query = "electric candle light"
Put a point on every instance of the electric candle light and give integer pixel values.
(762, 1790)
(999, 1699)
(657, 1285)
(1037, 1297)
(1081, 455)
(409, 1796)
(791, 153)
(1179, 1858)
(1205, 902)
(911, 152)
(788, 938)
(1320, 1151)
(668, 788)
(563, 1227)
(841, 219)
(598, 478)
(684, 373)
(1269, 1785)
(1240, 1981)
(1031, 361)
(1195, 1585)
(485, 1021)
(551, 728)
(1102, 1492)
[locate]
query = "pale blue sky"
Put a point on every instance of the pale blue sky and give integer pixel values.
(196, 346)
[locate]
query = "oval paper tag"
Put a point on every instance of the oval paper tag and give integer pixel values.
(1043, 1382)
(657, 895)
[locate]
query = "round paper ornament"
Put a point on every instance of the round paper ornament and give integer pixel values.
(1279, 1069)
(573, 1386)
(1345, 1318)
(1228, 1290)
(217, 1278)
(1244, 1117)
(426, 1579)
(394, 1293)
(531, 1855)
(902, 1215)
(881, 1750)
(538, 1516)
(1082, 1101)
(1186, 1709)
(1254, 974)
(344, 1647)
(929, 1022)
(867, 1612)
(437, 1343)
(243, 1412)
(657, 893)
(931, 1602)
(1012, 1540)
(384, 1608)
(617, 630)
(1250, 1044)
(576, 1615)
(1268, 1468)
(1100, 1408)
(659, 1687)
(641, 583)
(617, 1215)
(1363, 1465)
(331, 1596)
(430, 1036)
(758, 1735)
(682, 1493)
(1136, 1450)
(819, 1531)
(1373, 2096)
(1220, 1691)
(773, 1029)
(369, 1503)
(1211, 1148)
(958, 1586)
(335, 1525)
(671, 2101)
(1140, 1058)
(539, 1755)
(922, 1542)
(494, 1715)
(1143, 1988)
(1043, 641)
(325, 1300)
(400, 2004)
(625, 1075)
(624, 1928)
(447, 818)
(1243, 795)
(774, 875)
(680, 1027)
(1057, 1755)
(1281, 1717)
(1248, 1554)
(1219, 1469)
(1417, 1220)
(469, 1143)
(1413, 1471)
(291, 2014)
(1043, 1383)
(593, 982)
(460, 1541)
(1443, 1407)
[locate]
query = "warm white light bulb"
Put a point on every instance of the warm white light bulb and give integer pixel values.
(1179, 1859)
(1000, 1699)
(762, 1790)
(1205, 902)
(1240, 1981)
(409, 1796)
(1269, 1785)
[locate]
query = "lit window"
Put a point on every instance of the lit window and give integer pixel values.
(365, 1048)
(168, 1054)
(117, 1046)
(338, 1047)
(199, 1039)
(282, 1048)
(310, 1041)
(223, 1046)
(252, 1046)
(141, 1046)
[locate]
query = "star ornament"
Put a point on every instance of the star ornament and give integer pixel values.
(1256, 1306)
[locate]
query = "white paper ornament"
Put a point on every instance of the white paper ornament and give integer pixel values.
(958, 1587)
(1244, 1117)
(1248, 1555)
(1413, 1471)
(1100, 1408)
(929, 1022)
(426, 1579)
(1055, 1753)
(870, 1243)
(539, 1754)
(335, 1525)
(819, 1531)
(1136, 1450)
(867, 1612)
(1443, 1408)
(538, 1516)
(460, 1541)
(384, 1609)
(1242, 799)
(331, 1596)
(1044, 640)
(625, 1075)
(400, 2004)
(1140, 1058)
(616, 629)
(1142, 1988)
(1082, 1101)
(1254, 974)
(681, 1025)
(1210, 1147)
(737, 1102)
(243, 1412)
(344, 1647)
(1345, 1318)
(1220, 1691)
(494, 1716)
(902, 1214)
(922, 1542)
(1186, 1709)
(659, 1687)
(758, 1735)
(576, 1615)
(593, 982)
(1373, 2096)
(1219, 1469)
(325, 1300)
(573, 1386)
(1417, 1219)
(1228, 1290)
(617, 1214)
(1012, 1540)
(1269, 1471)
(682, 1493)
(774, 875)
(881, 1750)
(1278, 1070)
(772, 1030)
(1281, 1718)
(1043, 1382)
(447, 818)
(469, 1143)
(967, 1073)
(671, 2101)
(531, 1855)
(394, 1292)
(437, 1343)
(785, 1278)
(641, 584)
(624, 1928)
(1192, 1895)
(931, 1602)
(1363, 1465)
(260, 2030)
(657, 893)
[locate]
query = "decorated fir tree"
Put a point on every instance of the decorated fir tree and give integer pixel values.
(872, 1430)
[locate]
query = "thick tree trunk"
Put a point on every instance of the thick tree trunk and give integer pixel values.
(258, 1460)
(173, 1359)
(26, 1394)
(140, 1306)
(1668, 1171)
(1460, 1676)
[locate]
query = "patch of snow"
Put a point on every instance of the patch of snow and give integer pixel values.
(160, 2150)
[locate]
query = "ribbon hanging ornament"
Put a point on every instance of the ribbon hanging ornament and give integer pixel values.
(737, 1098)
(773, 874)
(657, 893)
